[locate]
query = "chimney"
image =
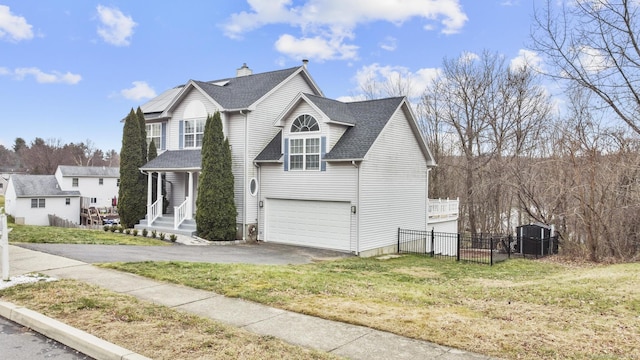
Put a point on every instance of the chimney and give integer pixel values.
(305, 62)
(244, 71)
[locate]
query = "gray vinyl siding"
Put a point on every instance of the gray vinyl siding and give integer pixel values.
(393, 186)
(173, 130)
(260, 133)
(338, 183)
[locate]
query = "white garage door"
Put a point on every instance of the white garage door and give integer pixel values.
(322, 224)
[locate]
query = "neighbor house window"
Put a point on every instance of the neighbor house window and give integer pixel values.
(37, 203)
(154, 132)
(67, 201)
(74, 182)
(193, 133)
(100, 181)
(94, 200)
(304, 153)
(117, 182)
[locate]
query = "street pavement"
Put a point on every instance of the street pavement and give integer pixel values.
(349, 341)
(20, 343)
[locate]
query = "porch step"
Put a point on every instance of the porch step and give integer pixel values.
(164, 224)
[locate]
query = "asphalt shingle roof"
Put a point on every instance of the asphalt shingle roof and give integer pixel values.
(39, 185)
(242, 91)
(175, 159)
(368, 119)
(90, 171)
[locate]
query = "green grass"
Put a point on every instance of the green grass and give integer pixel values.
(515, 309)
(56, 235)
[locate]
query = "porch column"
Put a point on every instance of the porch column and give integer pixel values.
(191, 197)
(159, 194)
(149, 192)
(149, 188)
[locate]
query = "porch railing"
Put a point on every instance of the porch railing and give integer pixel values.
(443, 209)
(154, 211)
(180, 213)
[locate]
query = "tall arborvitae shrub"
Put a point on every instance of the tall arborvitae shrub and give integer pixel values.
(152, 153)
(216, 210)
(143, 148)
(131, 194)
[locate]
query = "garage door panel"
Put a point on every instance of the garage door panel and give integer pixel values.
(324, 224)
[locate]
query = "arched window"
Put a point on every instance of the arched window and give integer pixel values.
(304, 123)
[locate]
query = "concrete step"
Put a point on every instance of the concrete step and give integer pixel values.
(164, 224)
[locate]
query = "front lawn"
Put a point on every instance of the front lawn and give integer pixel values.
(516, 309)
(56, 235)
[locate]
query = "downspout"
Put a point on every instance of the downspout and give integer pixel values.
(259, 194)
(353, 162)
(427, 200)
(244, 176)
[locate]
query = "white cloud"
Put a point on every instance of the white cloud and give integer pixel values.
(13, 27)
(140, 90)
(55, 77)
(389, 43)
(593, 60)
(4, 71)
(317, 48)
(415, 82)
(116, 28)
(334, 21)
(527, 58)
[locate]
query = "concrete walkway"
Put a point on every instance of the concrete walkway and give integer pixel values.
(350, 341)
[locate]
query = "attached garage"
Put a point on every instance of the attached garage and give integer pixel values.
(321, 224)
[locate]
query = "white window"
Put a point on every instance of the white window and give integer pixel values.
(94, 200)
(74, 182)
(100, 181)
(67, 201)
(304, 153)
(154, 132)
(37, 203)
(193, 133)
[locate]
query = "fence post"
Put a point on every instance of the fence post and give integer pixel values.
(4, 244)
(491, 249)
(509, 239)
(398, 240)
(458, 247)
(433, 239)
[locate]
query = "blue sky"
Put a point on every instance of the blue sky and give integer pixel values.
(70, 70)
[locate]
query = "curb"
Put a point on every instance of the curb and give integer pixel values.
(74, 338)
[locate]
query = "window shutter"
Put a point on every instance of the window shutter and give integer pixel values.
(181, 134)
(286, 154)
(163, 140)
(323, 152)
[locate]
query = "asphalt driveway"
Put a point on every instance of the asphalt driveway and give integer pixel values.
(253, 253)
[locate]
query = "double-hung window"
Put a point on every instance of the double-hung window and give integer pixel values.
(304, 152)
(37, 203)
(193, 133)
(154, 132)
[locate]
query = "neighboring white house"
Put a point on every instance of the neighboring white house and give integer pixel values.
(4, 181)
(97, 185)
(308, 170)
(31, 198)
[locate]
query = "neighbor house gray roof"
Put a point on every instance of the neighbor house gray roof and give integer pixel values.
(90, 171)
(368, 119)
(39, 185)
(175, 160)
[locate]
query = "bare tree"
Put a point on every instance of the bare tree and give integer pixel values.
(594, 44)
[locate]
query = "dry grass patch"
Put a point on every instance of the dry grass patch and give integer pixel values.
(151, 330)
(519, 309)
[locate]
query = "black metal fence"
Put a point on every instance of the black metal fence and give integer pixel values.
(482, 248)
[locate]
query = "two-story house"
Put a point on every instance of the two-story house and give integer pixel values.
(308, 170)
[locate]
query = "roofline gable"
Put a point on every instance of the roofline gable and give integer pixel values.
(300, 71)
(167, 113)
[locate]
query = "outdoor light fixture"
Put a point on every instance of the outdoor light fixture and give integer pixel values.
(260, 203)
(353, 209)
